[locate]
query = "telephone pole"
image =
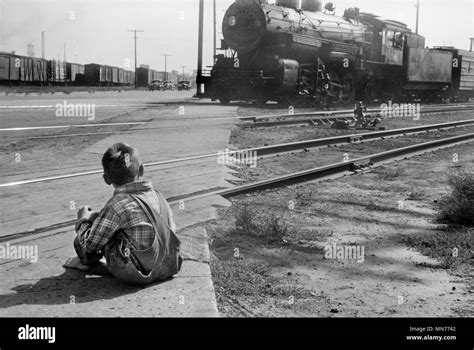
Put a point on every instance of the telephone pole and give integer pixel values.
(135, 31)
(417, 14)
(215, 33)
(166, 65)
(183, 71)
(200, 47)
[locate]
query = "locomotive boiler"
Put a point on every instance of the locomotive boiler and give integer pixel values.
(295, 53)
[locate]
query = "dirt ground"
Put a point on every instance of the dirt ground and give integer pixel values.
(381, 211)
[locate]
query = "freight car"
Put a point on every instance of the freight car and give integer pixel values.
(145, 76)
(102, 75)
(57, 72)
(22, 70)
(128, 78)
(16, 69)
(292, 52)
(74, 73)
(462, 87)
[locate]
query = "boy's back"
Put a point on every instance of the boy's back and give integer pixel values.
(134, 230)
(122, 212)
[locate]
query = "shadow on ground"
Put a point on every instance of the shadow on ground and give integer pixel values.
(71, 285)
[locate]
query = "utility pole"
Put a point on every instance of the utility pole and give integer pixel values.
(183, 72)
(135, 31)
(215, 32)
(417, 14)
(2, 21)
(200, 45)
(64, 51)
(166, 65)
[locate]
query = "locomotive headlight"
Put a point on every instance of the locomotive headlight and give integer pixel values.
(232, 21)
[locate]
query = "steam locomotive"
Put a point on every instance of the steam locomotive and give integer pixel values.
(294, 52)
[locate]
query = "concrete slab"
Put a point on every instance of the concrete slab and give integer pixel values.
(46, 289)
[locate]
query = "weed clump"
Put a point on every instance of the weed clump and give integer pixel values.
(457, 208)
(270, 228)
(451, 247)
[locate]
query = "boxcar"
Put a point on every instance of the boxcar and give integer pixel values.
(8, 71)
(73, 71)
(465, 75)
(22, 69)
(143, 76)
(120, 76)
(115, 75)
(462, 87)
(57, 71)
(92, 74)
(128, 77)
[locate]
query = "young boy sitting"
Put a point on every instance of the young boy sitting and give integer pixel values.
(135, 229)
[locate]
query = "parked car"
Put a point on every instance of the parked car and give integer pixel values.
(184, 85)
(156, 85)
(168, 85)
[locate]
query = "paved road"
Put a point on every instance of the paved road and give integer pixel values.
(20, 111)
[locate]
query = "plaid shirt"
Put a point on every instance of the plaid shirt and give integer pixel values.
(122, 212)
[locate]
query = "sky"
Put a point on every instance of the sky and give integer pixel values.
(97, 30)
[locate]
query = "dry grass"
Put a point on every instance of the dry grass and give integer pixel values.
(270, 228)
(452, 247)
(457, 208)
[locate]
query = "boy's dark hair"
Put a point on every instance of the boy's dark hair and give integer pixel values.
(121, 164)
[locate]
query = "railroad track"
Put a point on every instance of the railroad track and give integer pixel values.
(347, 167)
(329, 117)
(273, 149)
(334, 170)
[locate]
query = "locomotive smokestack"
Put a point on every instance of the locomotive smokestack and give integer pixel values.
(312, 5)
(251, 2)
(292, 4)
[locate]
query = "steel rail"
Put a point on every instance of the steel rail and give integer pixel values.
(352, 165)
(273, 149)
(426, 109)
(319, 173)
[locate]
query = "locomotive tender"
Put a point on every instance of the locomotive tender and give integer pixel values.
(292, 52)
